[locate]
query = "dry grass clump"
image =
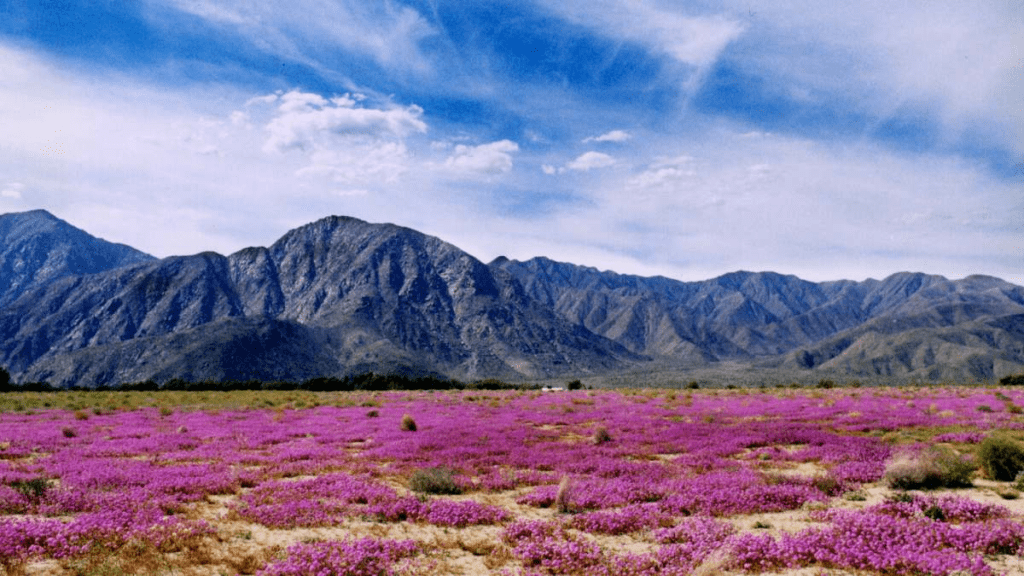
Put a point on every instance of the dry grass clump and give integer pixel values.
(933, 467)
(563, 496)
(601, 435)
(408, 424)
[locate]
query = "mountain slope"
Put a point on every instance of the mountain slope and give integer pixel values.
(341, 296)
(37, 248)
(761, 315)
(356, 296)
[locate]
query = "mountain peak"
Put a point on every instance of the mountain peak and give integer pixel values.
(37, 248)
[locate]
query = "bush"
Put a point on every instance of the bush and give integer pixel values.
(1001, 457)
(5, 379)
(408, 424)
(434, 481)
(33, 489)
(1015, 380)
(934, 467)
(574, 385)
(601, 435)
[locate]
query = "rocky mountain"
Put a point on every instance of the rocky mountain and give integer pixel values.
(334, 297)
(342, 296)
(37, 248)
(908, 324)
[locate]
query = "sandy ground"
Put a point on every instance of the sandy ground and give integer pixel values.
(242, 547)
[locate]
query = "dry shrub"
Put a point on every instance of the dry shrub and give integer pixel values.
(477, 546)
(933, 467)
(408, 424)
(563, 495)
(135, 558)
(434, 481)
(601, 435)
(249, 563)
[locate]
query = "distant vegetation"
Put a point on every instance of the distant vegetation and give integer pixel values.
(369, 382)
(1015, 380)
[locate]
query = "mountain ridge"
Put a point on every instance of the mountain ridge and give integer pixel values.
(340, 295)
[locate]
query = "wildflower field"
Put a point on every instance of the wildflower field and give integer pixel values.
(785, 481)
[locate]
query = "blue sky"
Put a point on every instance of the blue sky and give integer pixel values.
(687, 139)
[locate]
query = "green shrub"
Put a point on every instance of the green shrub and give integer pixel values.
(574, 385)
(33, 489)
(1001, 457)
(935, 513)
(434, 481)
(827, 484)
(934, 467)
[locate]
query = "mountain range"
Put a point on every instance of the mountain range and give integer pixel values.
(341, 296)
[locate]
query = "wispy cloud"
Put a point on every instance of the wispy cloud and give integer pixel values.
(613, 136)
(590, 161)
(12, 190)
(389, 33)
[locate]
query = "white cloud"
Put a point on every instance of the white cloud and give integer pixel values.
(486, 159)
(613, 136)
(12, 191)
(310, 122)
(590, 161)
(665, 172)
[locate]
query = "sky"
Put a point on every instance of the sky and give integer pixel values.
(679, 138)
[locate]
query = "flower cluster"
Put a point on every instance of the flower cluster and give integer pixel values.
(366, 557)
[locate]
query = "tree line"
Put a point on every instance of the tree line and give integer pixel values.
(368, 381)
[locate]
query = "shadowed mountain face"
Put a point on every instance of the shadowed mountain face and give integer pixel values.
(334, 297)
(342, 296)
(37, 248)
